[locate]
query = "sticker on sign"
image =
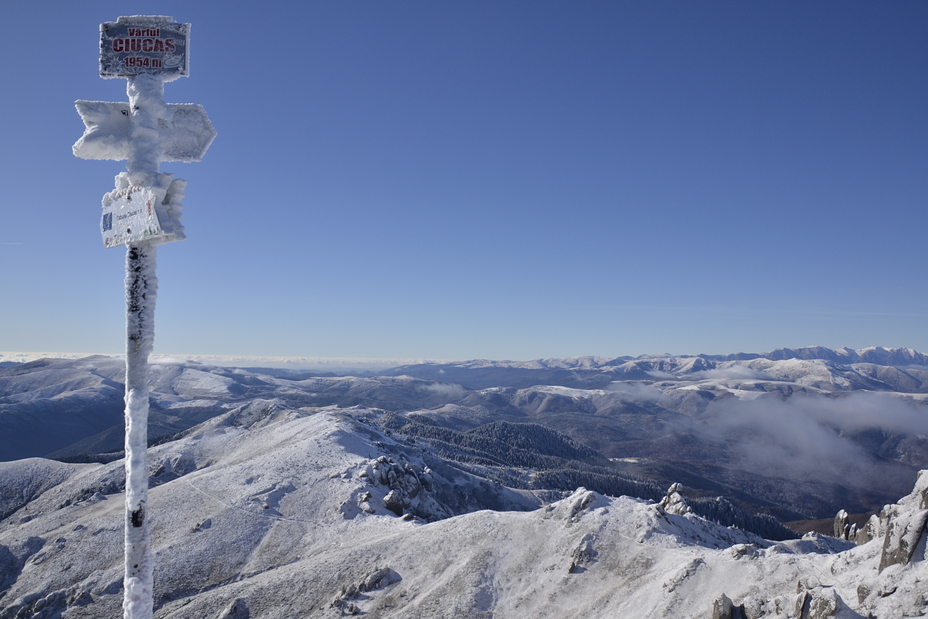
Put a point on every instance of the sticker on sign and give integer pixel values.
(144, 44)
(132, 214)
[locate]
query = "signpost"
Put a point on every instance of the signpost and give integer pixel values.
(134, 45)
(141, 212)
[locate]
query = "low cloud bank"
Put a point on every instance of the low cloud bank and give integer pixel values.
(636, 391)
(805, 437)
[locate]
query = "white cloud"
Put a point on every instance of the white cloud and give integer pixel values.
(802, 436)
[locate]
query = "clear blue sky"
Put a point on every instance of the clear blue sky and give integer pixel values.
(505, 180)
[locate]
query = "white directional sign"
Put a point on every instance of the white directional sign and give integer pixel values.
(133, 213)
(185, 131)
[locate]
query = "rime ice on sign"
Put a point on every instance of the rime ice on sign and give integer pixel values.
(185, 131)
(144, 47)
(143, 213)
(144, 44)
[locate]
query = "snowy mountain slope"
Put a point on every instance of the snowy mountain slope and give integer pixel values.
(783, 433)
(267, 511)
(46, 404)
(244, 482)
(65, 408)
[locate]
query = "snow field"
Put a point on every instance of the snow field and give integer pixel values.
(265, 515)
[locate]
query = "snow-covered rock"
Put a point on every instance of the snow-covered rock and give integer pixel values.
(673, 502)
(904, 536)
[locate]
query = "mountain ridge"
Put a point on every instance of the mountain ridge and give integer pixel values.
(878, 355)
(860, 427)
(266, 511)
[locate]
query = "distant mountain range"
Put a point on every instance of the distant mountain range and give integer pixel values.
(591, 371)
(795, 433)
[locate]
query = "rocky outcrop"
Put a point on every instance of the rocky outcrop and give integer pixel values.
(899, 534)
(873, 529)
(236, 610)
(902, 527)
(817, 603)
(351, 594)
(905, 528)
(404, 484)
(583, 555)
(841, 528)
(673, 502)
(724, 608)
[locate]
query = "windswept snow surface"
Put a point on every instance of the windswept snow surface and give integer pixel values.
(270, 512)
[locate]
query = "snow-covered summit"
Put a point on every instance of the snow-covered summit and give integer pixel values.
(269, 511)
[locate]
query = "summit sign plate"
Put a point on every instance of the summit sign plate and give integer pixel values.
(130, 48)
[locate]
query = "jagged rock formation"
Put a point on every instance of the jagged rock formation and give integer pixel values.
(673, 502)
(405, 486)
(724, 512)
(902, 527)
(817, 602)
(352, 592)
(724, 608)
(904, 534)
(891, 550)
(842, 529)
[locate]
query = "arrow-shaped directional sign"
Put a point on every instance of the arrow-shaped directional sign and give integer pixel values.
(184, 131)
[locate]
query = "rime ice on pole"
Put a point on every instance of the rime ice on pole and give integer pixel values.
(141, 212)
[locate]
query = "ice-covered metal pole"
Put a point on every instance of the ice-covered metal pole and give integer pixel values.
(146, 104)
(141, 212)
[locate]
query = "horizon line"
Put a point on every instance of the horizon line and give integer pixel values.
(333, 363)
